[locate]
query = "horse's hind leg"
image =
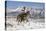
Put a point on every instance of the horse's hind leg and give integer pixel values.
(19, 21)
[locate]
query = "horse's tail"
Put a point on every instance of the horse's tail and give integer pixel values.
(18, 18)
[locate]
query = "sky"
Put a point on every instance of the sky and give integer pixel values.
(15, 4)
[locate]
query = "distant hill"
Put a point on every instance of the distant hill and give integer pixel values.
(33, 12)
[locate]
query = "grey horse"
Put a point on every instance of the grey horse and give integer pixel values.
(23, 16)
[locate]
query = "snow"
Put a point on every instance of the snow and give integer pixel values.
(12, 24)
(31, 24)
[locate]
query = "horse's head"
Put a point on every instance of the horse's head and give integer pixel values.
(28, 12)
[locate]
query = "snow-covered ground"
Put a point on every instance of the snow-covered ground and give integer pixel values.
(12, 25)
